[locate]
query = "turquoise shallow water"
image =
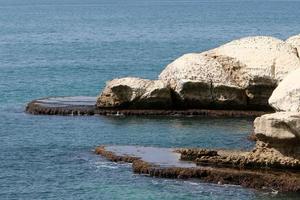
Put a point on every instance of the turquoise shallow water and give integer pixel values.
(72, 47)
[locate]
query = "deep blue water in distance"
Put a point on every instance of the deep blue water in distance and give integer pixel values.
(72, 47)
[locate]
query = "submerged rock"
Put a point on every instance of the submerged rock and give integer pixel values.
(294, 41)
(135, 93)
(240, 74)
(286, 97)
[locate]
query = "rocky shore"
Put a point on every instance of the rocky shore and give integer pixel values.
(250, 77)
(65, 106)
(239, 75)
(215, 166)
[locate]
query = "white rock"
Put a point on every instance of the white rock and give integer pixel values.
(194, 67)
(247, 70)
(294, 41)
(278, 126)
(135, 92)
(200, 79)
(260, 58)
(286, 97)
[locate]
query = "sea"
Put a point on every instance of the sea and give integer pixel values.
(72, 47)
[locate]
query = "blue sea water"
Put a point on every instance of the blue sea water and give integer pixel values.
(72, 47)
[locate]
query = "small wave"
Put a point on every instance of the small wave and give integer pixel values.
(191, 183)
(107, 165)
(270, 191)
(154, 182)
(110, 165)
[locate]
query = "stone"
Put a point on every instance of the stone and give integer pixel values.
(294, 41)
(248, 169)
(286, 97)
(278, 129)
(259, 59)
(134, 92)
(81, 105)
(200, 81)
(240, 74)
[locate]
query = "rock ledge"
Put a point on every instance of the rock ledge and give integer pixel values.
(201, 164)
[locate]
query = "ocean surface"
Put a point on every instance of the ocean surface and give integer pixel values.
(72, 47)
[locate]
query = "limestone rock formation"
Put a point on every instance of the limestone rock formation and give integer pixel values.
(278, 135)
(281, 131)
(135, 93)
(286, 97)
(242, 73)
(259, 59)
(262, 168)
(201, 81)
(278, 128)
(294, 41)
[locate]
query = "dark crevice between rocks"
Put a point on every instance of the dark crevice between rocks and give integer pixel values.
(258, 96)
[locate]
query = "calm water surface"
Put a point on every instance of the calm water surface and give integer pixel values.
(72, 47)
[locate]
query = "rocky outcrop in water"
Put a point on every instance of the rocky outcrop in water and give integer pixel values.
(241, 74)
(261, 157)
(281, 130)
(79, 105)
(249, 169)
(278, 127)
(134, 92)
(199, 80)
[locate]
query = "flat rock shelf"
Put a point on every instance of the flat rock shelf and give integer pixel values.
(84, 105)
(169, 163)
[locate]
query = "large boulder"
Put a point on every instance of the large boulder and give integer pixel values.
(200, 81)
(261, 59)
(279, 130)
(240, 74)
(294, 41)
(278, 126)
(286, 97)
(131, 92)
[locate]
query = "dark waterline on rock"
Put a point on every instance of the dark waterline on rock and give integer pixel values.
(81, 105)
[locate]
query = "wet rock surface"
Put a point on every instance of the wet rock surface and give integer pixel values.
(87, 106)
(169, 163)
(261, 157)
